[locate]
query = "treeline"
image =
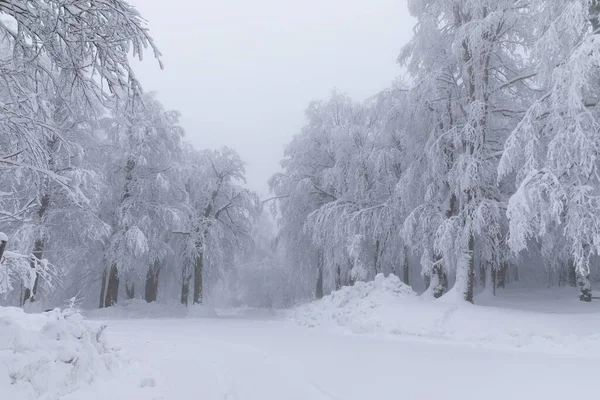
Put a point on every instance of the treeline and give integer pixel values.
(99, 195)
(479, 170)
(482, 167)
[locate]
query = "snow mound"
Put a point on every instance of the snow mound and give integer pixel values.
(387, 306)
(359, 307)
(49, 355)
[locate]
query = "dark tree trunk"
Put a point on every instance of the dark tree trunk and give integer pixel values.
(501, 276)
(112, 288)
(350, 280)
(186, 277)
(38, 250)
(2, 248)
(376, 257)
(405, 270)
(319, 288)
(103, 287)
(198, 271)
(585, 287)
(151, 289)
(471, 270)
(438, 281)
(571, 274)
(130, 290)
(338, 278)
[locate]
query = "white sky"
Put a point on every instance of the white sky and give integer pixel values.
(242, 72)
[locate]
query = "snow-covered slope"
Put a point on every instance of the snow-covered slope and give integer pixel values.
(388, 306)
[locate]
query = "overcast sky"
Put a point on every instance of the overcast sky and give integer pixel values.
(242, 72)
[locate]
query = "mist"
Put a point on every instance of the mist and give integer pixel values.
(242, 72)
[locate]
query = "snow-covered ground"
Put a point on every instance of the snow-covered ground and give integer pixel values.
(369, 342)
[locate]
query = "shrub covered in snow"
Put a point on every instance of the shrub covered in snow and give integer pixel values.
(49, 355)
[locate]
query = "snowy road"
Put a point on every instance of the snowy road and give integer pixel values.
(262, 359)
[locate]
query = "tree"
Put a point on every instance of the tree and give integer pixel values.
(553, 152)
(219, 217)
(467, 84)
(60, 60)
(145, 207)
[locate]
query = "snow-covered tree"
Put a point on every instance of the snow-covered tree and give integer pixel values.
(145, 207)
(553, 154)
(467, 59)
(218, 218)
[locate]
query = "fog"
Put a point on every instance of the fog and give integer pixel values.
(242, 72)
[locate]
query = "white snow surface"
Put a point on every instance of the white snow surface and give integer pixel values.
(388, 306)
(3, 237)
(50, 355)
(137, 308)
(375, 340)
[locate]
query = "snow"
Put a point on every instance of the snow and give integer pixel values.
(50, 355)
(272, 359)
(375, 340)
(3, 237)
(387, 306)
(137, 308)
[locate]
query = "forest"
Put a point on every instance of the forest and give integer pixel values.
(478, 168)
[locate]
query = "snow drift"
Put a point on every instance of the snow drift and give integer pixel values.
(49, 355)
(388, 306)
(362, 307)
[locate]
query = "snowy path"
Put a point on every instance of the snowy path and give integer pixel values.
(245, 359)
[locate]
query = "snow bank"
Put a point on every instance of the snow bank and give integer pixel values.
(364, 307)
(388, 306)
(46, 356)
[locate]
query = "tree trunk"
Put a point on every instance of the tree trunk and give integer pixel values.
(130, 290)
(501, 276)
(490, 279)
(585, 287)
(186, 277)
(112, 288)
(2, 248)
(405, 269)
(151, 289)
(103, 288)
(571, 274)
(198, 271)
(319, 288)
(471, 271)
(30, 293)
(338, 278)
(439, 281)
(376, 257)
